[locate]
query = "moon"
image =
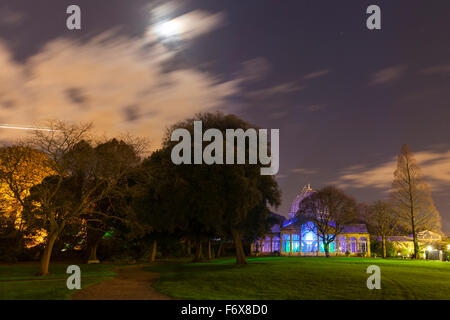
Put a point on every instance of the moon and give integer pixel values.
(169, 29)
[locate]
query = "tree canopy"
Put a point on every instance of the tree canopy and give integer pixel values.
(202, 201)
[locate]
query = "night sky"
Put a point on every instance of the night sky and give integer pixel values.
(345, 98)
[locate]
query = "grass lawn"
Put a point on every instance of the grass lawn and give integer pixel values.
(18, 281)
(304, 278)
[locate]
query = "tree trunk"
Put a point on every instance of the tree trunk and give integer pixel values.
(383, 245)
(93, 251)
(153, 253)
(240, 255)
(198, 252)
(326, 248)
(209, 250)
(219, 250)
(189, 245)
(93, 240)
(416, 244)
(413, 214)
(45, 259)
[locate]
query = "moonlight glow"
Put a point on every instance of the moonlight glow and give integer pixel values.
(169, 29)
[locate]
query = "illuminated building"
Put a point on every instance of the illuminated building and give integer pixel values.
(291, 239)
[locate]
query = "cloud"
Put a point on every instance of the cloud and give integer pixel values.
(316, 74)
(118, 83)
(435, 168)
(284, 88)
(189, 25)
(255, 69)
(287, 87)
(439, 69)
(10, 18)
(387, 74)
(304, 171)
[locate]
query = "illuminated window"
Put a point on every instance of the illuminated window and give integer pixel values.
(266, 245)
(352, 245)
(330, 247)
(275, 244)
(295, 242)
(343, 244)
(286, 243)
(256, 246)
(309, 232)
(309, 246)
(362, 244)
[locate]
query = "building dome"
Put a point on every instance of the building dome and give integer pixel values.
(306, 192)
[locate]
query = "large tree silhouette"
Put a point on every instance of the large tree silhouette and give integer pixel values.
(201, 201)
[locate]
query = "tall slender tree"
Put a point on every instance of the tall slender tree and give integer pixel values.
(411, 198)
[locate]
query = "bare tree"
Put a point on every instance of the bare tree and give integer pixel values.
(60, 139)
(82, 177)
(382, 221)
(411, 197)
(329, 210)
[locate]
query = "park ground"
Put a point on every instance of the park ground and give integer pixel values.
(262, 278)
(18, 280)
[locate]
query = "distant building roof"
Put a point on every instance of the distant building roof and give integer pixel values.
(355, 228)
(428, 235)
(275, 228)
(287, 223)
(397, 238)
(423, 236)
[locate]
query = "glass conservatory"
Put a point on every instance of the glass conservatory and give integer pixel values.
(292, 239)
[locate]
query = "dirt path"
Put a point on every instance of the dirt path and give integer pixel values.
(131, 283)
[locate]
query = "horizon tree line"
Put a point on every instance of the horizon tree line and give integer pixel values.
(80, 186)
(66, 183)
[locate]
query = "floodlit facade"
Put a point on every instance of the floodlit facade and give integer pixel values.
(429, 244)
(291, 239)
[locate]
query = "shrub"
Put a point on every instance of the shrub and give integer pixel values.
(11, 246)
(376, 247)
(404, 252)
